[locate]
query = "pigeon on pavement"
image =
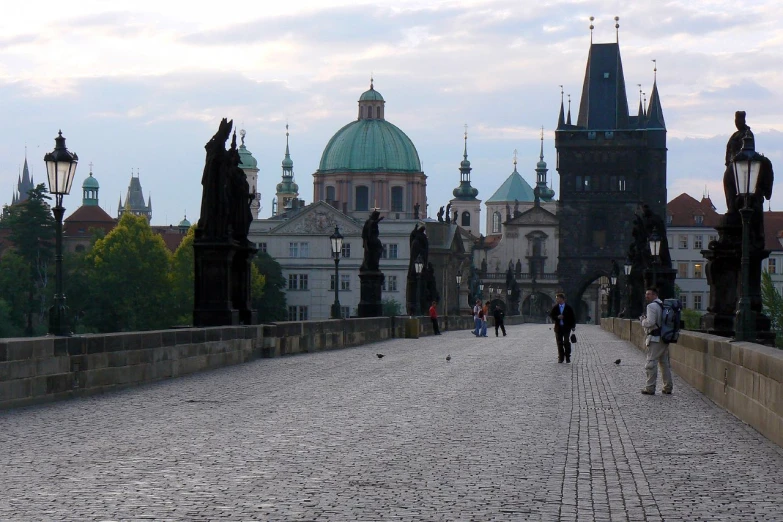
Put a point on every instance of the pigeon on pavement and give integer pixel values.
(379, 355)
(448, 358)
(617, 361)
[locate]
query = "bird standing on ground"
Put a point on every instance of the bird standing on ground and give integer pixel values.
(448, 358)
(617, 361)
(379, 355)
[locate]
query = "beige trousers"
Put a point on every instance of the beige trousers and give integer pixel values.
(658, 355)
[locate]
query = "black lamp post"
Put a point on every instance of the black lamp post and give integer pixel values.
(458, 277)
(612, 291)
(419, 266)
(481, 291)
(655, 250)
(627, 267)
(747, 164)
(337, 249)
(60, 170)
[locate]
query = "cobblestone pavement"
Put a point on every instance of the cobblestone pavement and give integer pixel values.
(501, 432)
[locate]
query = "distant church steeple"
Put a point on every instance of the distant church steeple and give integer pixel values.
(90, 189)
(134, 200)
(465, 204)
(24, 184)
(287, 189)
(544, 192)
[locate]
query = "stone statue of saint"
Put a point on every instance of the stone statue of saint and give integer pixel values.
(239, 196)
(373, 248)
(416, 208)
(440, 214)
(420, 246)
(215, 203)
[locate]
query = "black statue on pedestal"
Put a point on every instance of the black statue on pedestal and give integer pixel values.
(440, 214)
(373, 248)
(724, 256)
(222, 251)
(370, 276)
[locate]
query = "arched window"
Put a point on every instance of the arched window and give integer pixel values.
(362, 198)
(330, 194)
(396, 199)
(466, 219)
(378, 112)
(496, 223)
(369, 112)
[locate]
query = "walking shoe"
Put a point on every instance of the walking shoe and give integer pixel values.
(560, 360)
(645, 391)
(666, 392)
(568, 359)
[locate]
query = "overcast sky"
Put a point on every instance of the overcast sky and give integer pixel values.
(143, 87)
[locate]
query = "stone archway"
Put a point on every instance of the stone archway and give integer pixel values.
(589, 300)
(536, 307)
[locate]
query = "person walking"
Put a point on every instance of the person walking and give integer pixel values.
(498, 315)
(476, 318)
(484, 312)
(564, 319)
(657, 350)
(434, 318)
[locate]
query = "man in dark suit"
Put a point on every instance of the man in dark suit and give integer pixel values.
(563, 317)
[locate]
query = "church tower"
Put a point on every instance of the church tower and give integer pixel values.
(287, 189)
(134, 200)
(609, 163)
(90, 189)
(544, 192)
(465, 204)
(249, 166)
(24, 184)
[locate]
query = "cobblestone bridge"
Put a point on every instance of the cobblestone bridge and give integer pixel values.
(501, 432)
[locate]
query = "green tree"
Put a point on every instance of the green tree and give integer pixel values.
(129, 279)
(772, 303)
(14, 288)
(31, 230)
(271, 303)
(692, 319)
(391, 307)
(182, 280)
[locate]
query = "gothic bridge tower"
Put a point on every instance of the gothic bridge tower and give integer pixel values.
(609, 164)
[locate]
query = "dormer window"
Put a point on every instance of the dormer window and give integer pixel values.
(668, 219)
(699, 220)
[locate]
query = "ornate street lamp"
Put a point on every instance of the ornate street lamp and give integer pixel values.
(60, 171)
(655, 250)
(747, 165)
(481, 291)
(419, 266)
(337, 249)
(458, 277)
(613, 290)
(628, 266)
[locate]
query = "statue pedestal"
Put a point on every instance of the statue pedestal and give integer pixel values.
(213, 303)
(370, 304)
(241, 284)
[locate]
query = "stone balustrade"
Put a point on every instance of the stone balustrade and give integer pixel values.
(41, 369)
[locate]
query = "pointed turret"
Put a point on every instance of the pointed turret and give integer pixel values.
(542, 190)
(654, 110)
(465, 191)
(287, 189)
(604, 104)
(90, 189)
(561, 117)
(568, 120)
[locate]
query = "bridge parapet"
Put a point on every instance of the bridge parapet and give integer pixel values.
(746, 379)
(41, 369)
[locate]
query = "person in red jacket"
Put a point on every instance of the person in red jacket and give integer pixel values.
(434, 318)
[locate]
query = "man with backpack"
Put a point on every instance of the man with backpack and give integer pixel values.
(657, 348)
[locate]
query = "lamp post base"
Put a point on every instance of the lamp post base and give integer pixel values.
(58, 320)
(336, 312)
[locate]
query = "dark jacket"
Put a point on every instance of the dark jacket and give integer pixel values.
(498, 314)
(569, 319)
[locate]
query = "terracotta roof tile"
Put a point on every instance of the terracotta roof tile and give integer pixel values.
(684, 209)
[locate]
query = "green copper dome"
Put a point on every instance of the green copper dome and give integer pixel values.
(184, 223)
(246, 159)
(371, 95)
(370, 145)
(91, 183)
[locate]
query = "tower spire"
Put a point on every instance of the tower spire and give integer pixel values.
(617, 29)
(568, 120)
(591, 29)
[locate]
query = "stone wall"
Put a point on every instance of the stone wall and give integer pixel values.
(744, 378)
(34, 370)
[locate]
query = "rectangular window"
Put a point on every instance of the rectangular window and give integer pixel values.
(297, 281)
(713, 238)
(579, 186)
(293, 249)
(683, 240)
(697, 271)
(699, 220)
(669, 242)
(331, 282)
(346, 252)
(621, 183)
(697, 242)
(588, 184)
(303, 313)
(396, 199)
(682, 270)
(697, 301)
(345, 281)
(772, 266)
(304, 250)
(345, 311)
(684, 300)
(261, 247)
(298, 249)
(391, 282)
(393, 251)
